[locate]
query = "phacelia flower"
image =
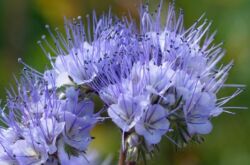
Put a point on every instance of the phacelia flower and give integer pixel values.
(36, 119)
(81, 56)
(171, 88)
(153, 124)
(155, 79)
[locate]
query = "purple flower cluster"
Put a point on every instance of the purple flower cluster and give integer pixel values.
(156, 80)
(41, 128)
(171, 88)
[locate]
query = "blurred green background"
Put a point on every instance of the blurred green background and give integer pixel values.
(22, 23)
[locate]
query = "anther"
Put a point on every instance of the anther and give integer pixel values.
(43, 37)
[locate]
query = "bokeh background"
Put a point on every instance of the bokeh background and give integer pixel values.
(22, 24)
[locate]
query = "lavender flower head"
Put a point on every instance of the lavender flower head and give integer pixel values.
(40, 128)
(82, 56)
(171, 88)
(155, 79)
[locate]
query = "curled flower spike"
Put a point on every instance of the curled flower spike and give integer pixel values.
(174, 80)
(36, 119)
(81, 56)
(155, 79)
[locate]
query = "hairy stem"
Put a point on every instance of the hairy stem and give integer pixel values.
(131, 163)
(122, 157)
(123, 154)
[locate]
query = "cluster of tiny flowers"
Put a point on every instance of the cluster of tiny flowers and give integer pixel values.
(171, 88)
(41, 128)
(156, 80)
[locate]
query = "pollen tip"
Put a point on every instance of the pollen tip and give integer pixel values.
(19, 60)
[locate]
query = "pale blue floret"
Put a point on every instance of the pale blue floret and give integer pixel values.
(153, 124)
(77, 131)
(126, 112)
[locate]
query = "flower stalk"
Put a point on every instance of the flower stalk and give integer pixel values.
(122, 157)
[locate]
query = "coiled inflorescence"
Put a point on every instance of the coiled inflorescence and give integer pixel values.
(156, 79)
(41, 128)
